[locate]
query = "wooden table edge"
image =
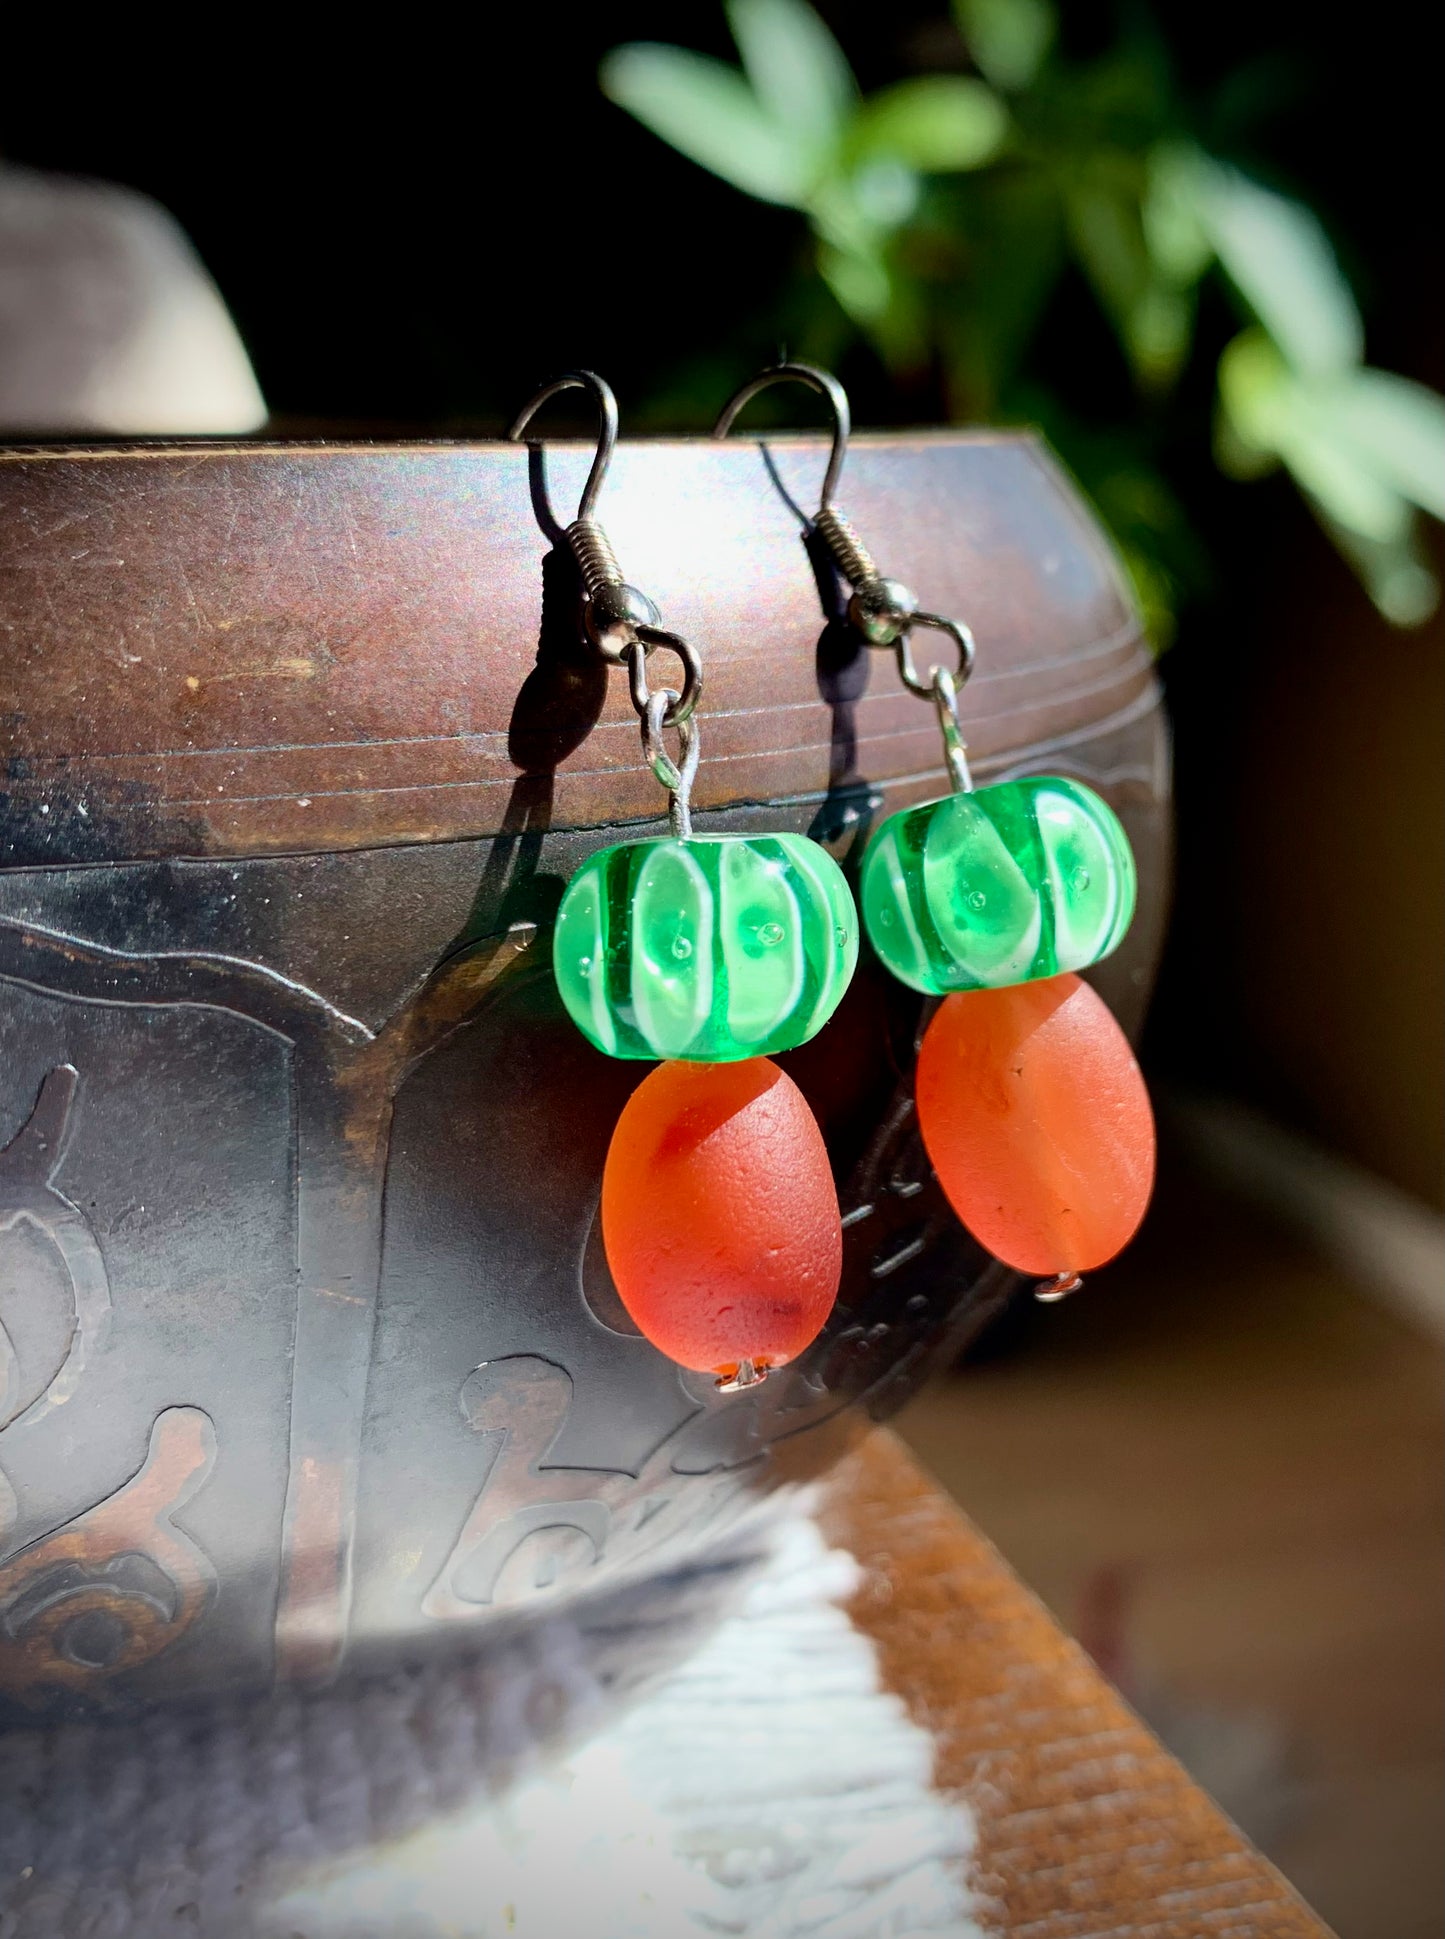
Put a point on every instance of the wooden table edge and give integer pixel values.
(1086, 1824)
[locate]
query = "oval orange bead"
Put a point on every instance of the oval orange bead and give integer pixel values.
(1035, 1117)
(719, 1216)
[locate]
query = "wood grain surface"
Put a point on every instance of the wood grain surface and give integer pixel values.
(1088, 1829)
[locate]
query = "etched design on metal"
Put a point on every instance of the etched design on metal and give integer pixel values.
(29, 1196)
(538, 1525)
(337, 1169)
(345, 1077)
(114, 1587)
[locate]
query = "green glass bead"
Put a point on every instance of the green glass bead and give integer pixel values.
(999, 886)
(708, 950)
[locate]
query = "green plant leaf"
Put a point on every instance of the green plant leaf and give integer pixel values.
(859, 280)
(1279, 259)
(885, 192)
(1396, 574)
(1159, 333)
(1008, 39)
(798, 71)
(1253, 379)
(1383, 434)
(1235, 450)
(1398, 429)
(936, 124)
(1174, 232)
(859, 225)
(1104, 231)
(1154, 319)
(1363, 447)
(1272, 410)
(707, 111)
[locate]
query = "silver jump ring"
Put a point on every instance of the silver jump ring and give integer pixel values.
(683, 705)
(933, 623)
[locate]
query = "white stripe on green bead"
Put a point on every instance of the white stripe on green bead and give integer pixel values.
(998, 886)
(889, 918)
(1090, 873)
(985, 910)
(579, 952)
(822, 876)
(760, 934)
(718, 947)
(671, 922)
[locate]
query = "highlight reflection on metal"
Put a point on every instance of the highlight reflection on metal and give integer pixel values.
(1050, 1291)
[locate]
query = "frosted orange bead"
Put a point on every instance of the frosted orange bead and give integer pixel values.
(1037, 1122)
(719, 1216)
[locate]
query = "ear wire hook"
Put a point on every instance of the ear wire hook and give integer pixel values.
(882, 610)
(606, 402)
(827, 386)
(620, 621)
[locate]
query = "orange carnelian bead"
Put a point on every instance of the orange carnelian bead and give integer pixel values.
(1037, 1122)
(719, 1216)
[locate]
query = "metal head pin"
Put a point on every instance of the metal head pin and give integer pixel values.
(882, 610)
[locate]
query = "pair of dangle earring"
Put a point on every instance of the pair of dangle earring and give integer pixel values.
(709, 953)
(706, 954)
(1031, 1106)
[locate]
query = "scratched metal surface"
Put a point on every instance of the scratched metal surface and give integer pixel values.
(308, 1356)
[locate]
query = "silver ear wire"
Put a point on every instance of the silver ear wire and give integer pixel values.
(882, 611)
(621, 621)
(826, 385)
(612, 611)
(606, 401)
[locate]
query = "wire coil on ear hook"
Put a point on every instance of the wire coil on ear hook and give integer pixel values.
(621, 621)
(882, 610)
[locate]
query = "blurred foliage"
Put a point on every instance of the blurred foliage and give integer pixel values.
(945, 212)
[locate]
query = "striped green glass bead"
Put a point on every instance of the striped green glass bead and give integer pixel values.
(999, 886)
(708, 950)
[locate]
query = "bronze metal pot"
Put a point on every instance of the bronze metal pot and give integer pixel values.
(309, 1359)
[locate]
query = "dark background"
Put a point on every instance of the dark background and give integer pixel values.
(414, 222)
(412, 225)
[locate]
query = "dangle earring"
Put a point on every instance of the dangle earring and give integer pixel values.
(708, 952)
(1030, 1103)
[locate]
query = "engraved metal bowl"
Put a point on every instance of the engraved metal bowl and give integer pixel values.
(309, 1359)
